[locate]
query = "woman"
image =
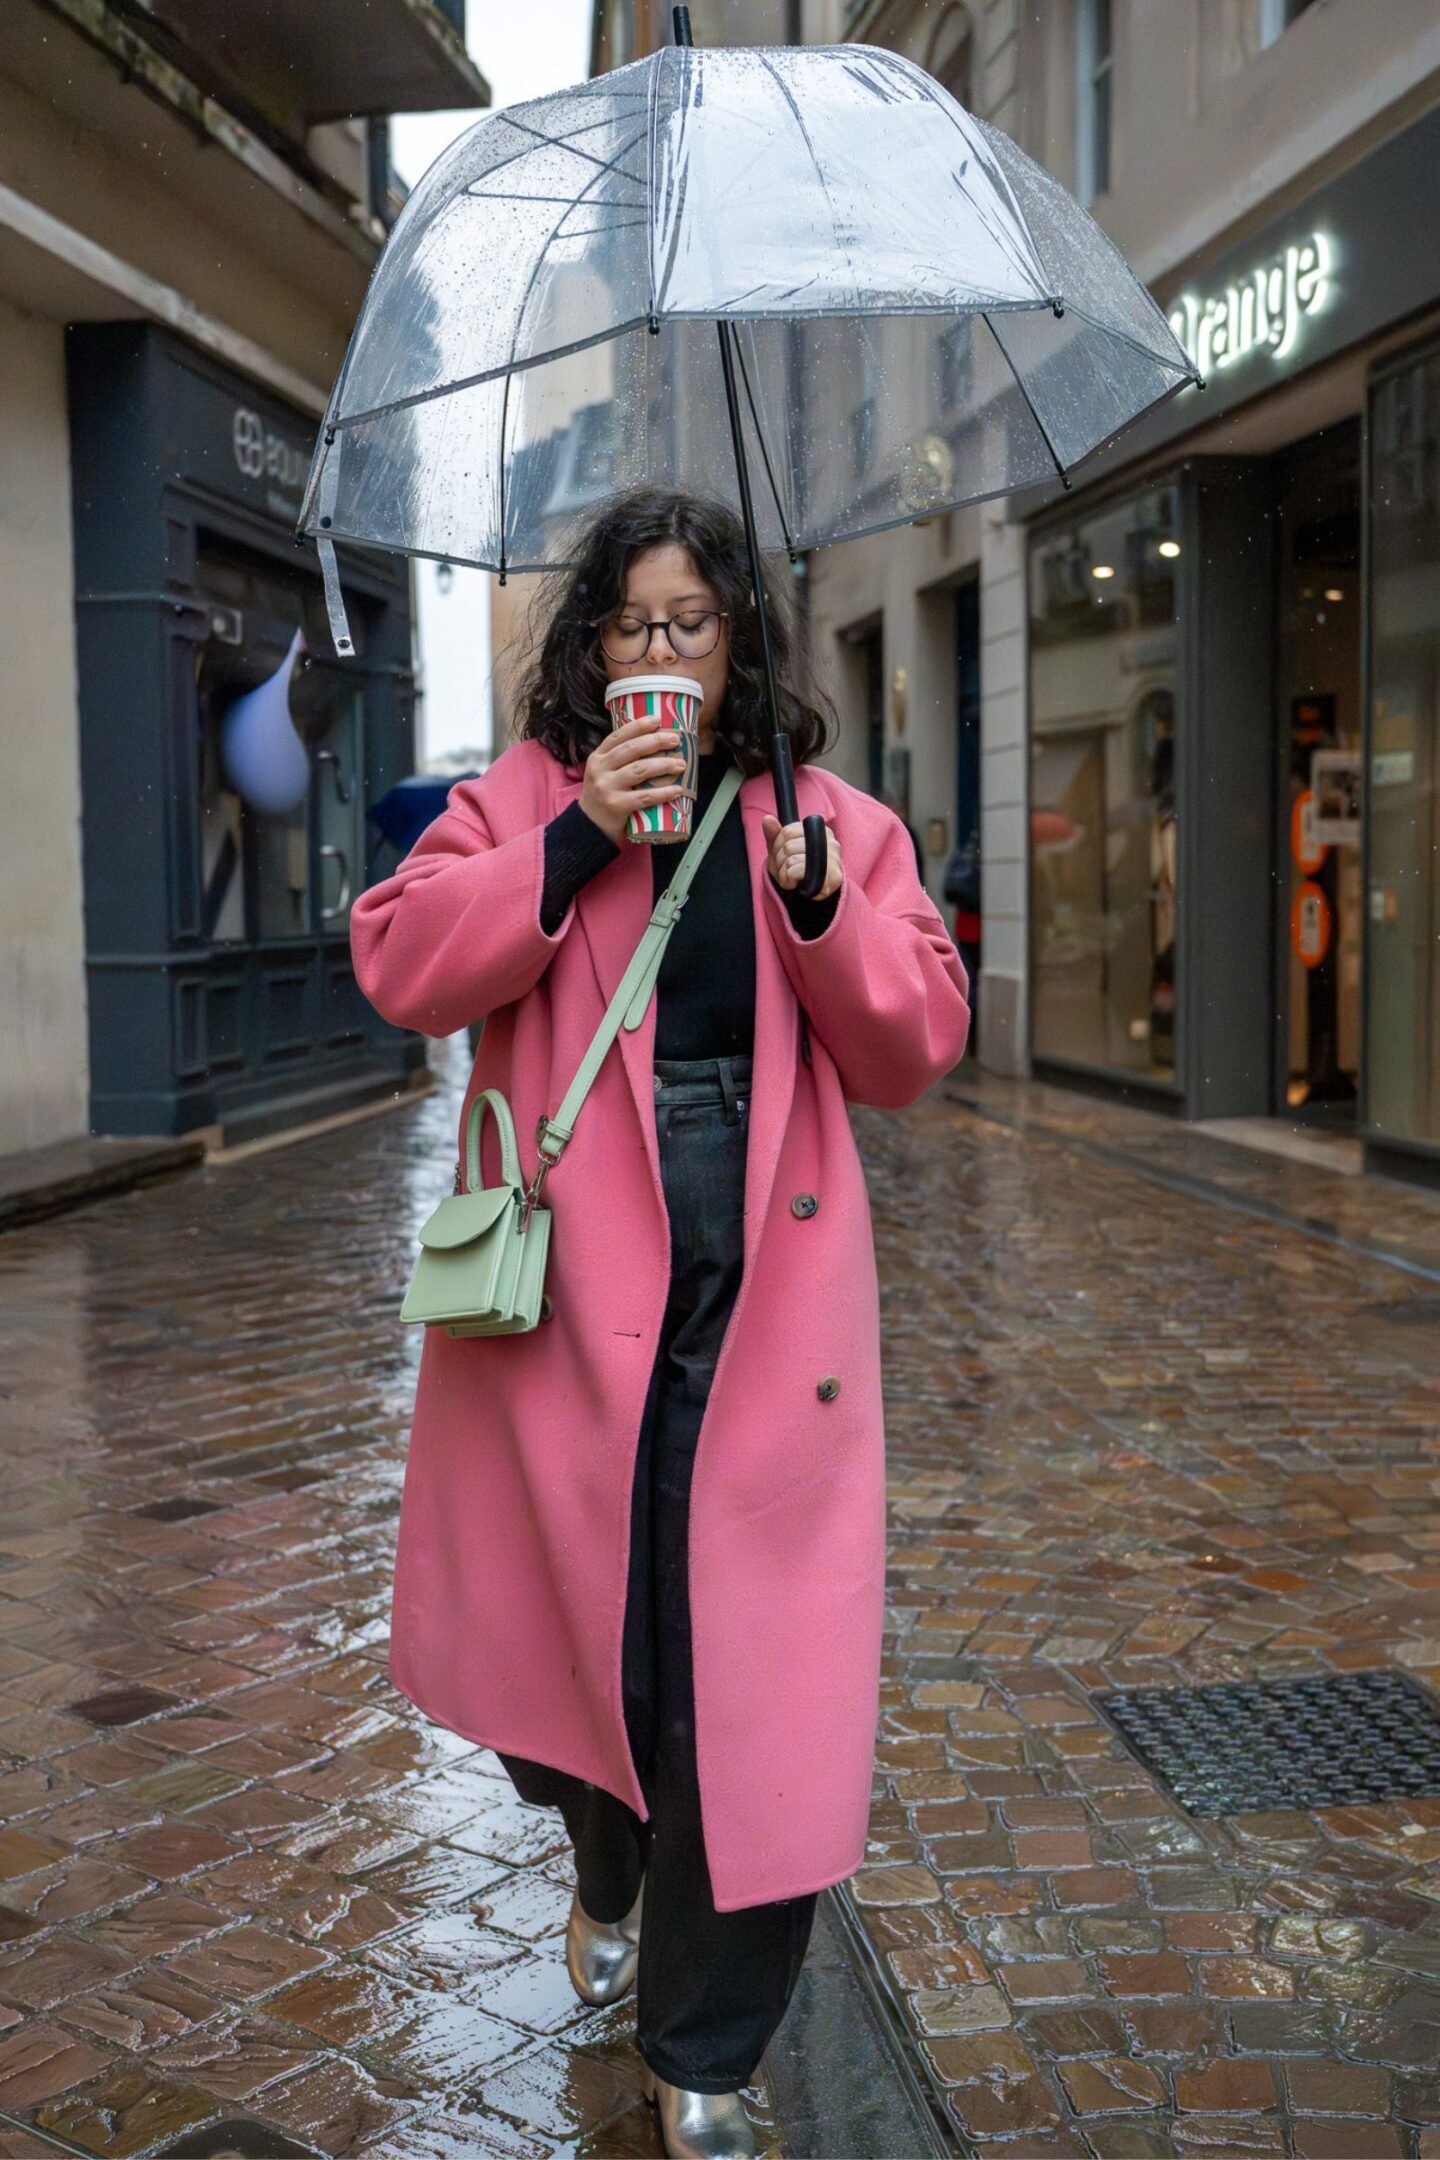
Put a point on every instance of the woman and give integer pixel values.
(641, 1551)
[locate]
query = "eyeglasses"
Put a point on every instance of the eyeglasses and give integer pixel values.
(690, 636)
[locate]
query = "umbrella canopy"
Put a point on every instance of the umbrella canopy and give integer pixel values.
(921, 316)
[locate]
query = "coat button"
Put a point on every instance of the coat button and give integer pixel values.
(828, 1388)
(804, 1203)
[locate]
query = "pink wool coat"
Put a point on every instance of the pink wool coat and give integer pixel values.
(514, 1530)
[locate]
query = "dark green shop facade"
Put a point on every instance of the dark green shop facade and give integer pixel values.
(217, 937)
(1234, 697)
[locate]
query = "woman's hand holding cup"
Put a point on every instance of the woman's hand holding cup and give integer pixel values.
(633, 767)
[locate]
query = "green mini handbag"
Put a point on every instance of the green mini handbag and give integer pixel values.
(481, 1269)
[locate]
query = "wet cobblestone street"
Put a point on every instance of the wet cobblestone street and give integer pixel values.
(1140, 1438)
(1138, 1435)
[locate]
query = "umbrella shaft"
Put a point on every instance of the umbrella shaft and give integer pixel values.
(785, 799)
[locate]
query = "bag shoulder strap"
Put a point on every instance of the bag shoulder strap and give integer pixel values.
(637, 985)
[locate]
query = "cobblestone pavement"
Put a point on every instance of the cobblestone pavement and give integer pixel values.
(1133, 1436)
(1138, 1439)
(242, 1882)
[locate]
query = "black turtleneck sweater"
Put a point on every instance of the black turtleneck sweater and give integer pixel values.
(705, 997)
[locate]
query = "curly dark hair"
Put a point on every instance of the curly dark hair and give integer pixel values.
(560, 699)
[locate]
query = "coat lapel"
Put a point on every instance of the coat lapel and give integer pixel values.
(612, 911)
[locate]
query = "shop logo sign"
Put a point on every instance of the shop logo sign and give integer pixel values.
(261, 454)
(1265, 310)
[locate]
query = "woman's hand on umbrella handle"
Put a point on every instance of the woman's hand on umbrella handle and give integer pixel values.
(635, 766)
(786, 844)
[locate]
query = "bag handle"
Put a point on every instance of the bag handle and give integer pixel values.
(637, 985)
(494, 1101)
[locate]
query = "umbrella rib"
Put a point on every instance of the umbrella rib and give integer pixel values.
(652, 113)
(1124, 337)
(502, 196)
(592, 232)
(575, 202)
(678, 182)
(764, 449)
(413, 398)
(1030, 402)
(553, 142)
(504, 417)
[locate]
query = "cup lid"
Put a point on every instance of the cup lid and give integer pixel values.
(684, 684)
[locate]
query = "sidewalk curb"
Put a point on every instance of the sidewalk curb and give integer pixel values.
(1210, 1191)
(53, 1180)
(844, 2073)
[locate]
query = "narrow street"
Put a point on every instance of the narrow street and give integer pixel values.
(1160, 1413)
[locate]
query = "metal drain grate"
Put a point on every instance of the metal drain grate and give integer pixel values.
(1334, 1741)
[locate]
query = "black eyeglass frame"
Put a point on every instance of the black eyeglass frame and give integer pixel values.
(721, 615)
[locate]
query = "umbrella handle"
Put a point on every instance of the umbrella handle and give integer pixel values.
(787, 809)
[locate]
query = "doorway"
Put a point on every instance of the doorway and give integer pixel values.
(1318, 751)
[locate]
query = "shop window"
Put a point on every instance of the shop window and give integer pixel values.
(272, 874)
(1103, 673)
(1093, 87)
(1403, 795)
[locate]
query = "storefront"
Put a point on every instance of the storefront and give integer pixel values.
(1234, 654)
(217, 922)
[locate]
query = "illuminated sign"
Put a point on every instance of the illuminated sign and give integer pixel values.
(1264, 310)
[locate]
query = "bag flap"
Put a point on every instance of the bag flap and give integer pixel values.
(463, 1217)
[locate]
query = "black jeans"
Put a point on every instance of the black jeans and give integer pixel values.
(712, 1987)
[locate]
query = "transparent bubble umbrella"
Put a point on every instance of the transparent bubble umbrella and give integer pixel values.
(801, 278)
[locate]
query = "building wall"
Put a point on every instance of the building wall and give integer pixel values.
(44, 1078)
(272, 267)
(111, 164)
(1210, 129)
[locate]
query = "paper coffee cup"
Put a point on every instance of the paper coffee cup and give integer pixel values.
(675, 701)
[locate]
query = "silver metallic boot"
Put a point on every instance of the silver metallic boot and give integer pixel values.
(700, 2126)
(601, 1955)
